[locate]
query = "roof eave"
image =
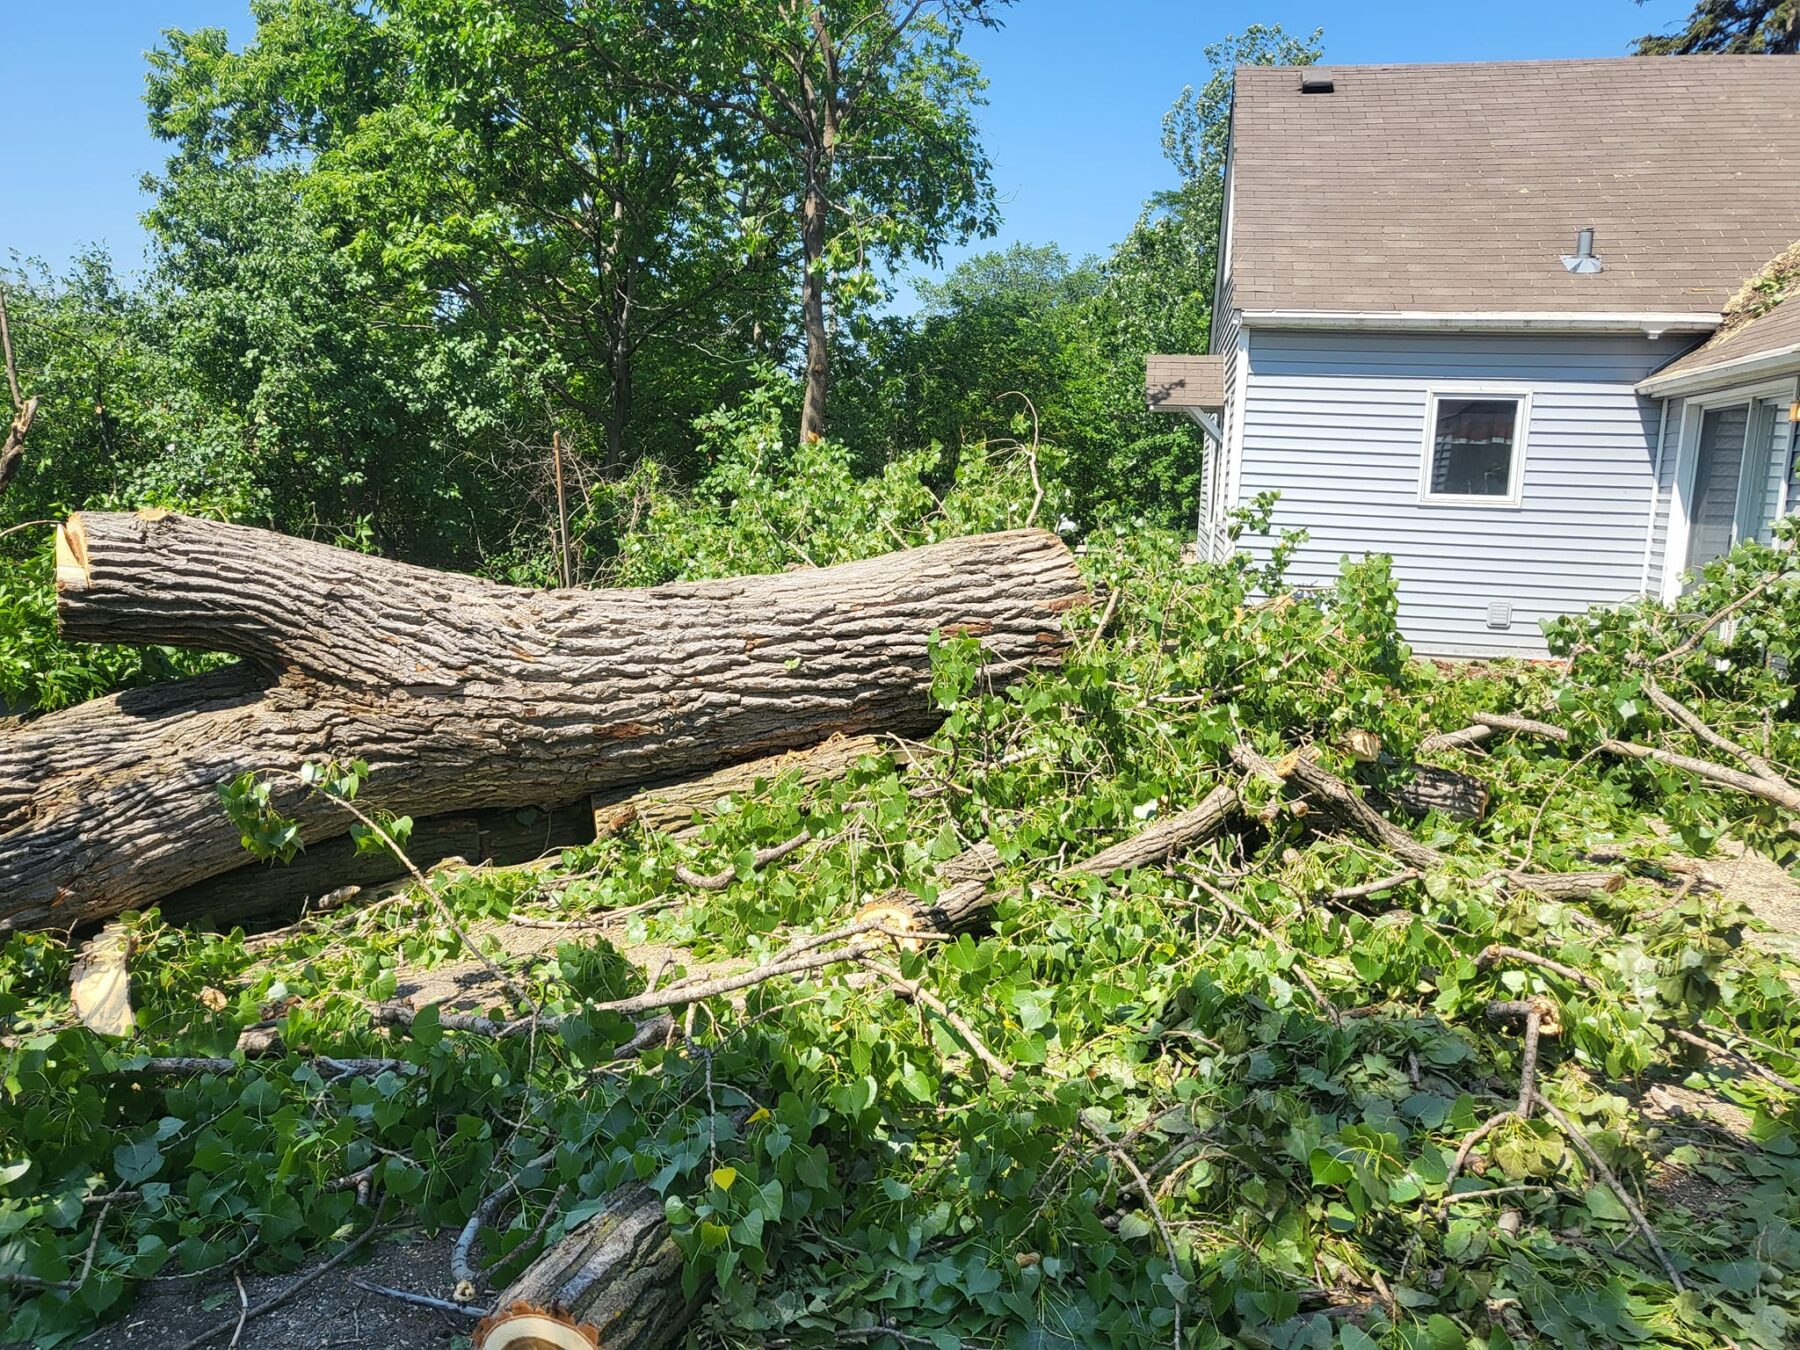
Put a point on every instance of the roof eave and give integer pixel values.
(1758, 365)
(1650, 323)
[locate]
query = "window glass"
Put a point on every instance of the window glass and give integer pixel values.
(1472, 447)
(1718, 469)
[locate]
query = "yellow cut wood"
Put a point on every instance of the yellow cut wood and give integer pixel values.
(102, 983)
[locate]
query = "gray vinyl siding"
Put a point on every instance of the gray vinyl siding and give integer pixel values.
(1224, 342)
(1336, 423)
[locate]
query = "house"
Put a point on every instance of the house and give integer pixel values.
(1474, 317)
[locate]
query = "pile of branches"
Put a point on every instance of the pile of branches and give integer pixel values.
(1238, 980)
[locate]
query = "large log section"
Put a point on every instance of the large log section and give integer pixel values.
(458, 692)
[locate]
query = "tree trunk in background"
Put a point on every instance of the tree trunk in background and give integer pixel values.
(460, 693)
(812, 308)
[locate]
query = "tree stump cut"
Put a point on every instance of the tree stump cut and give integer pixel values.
(613, 1282)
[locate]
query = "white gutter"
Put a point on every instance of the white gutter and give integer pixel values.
(1470, 321)
(1676, 385)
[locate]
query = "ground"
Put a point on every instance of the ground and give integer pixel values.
(335, 1310)
(332, 1311)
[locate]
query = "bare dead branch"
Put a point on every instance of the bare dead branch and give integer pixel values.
(423, 1300)
(1496, 952)
(1377, 886)
(1125, 1160)
(1594, 1160)
(1702, 732)
(1718, 617)
(764, 857)
(461, 1256)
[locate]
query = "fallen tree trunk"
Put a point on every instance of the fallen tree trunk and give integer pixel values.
(670, 808)
(459, 693)
(335, 867)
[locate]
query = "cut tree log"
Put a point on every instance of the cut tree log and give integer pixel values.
(618, 1274)
(670, 808)
(459, 693)
(515, 835)
(278, 891)
(1433, 789)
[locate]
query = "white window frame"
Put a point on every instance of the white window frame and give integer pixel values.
(1687, 463)
(1515, 496)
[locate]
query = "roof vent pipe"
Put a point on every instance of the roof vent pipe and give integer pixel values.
(1583, 261)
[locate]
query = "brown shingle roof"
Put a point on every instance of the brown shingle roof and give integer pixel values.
(1460, 187)
(1774, 334)
(1172, 383)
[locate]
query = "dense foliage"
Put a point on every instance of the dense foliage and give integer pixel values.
(371, 311)
(1741, 27)
(1290, 1072)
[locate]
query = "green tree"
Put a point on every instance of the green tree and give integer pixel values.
(859, 115)
(1074, 338)
(122, 420)
(336, 394)
(1178, 232)
(487, 169)
(1737, 26)
(1160, 283)
(1000, 321)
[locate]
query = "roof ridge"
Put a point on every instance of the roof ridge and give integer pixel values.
(1657, 62)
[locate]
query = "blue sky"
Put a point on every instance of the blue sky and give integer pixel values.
(1078, 91)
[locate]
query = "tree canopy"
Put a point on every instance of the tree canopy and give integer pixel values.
(1731, 26)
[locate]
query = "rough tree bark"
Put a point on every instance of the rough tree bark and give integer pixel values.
(279, 891)
(458, 692)
(619, 1275)
(670, 808)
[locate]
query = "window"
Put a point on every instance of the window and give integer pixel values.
(1474, 448)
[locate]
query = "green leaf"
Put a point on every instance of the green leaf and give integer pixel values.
(1328, 1170)
(260, 1096)
(917, 1083)
(138, 1161)
(1033, 1006)
(426, 1027)
(1604, 1205)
